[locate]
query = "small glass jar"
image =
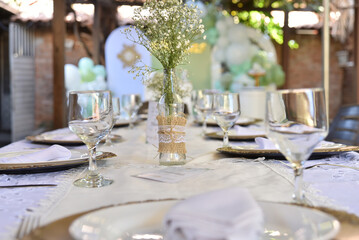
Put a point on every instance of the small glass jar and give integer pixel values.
(171, 124)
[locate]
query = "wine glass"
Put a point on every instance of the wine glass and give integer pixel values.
(296, 121)
(90, 118)
(226, 112)
(116, 110)
(204, 105)
(131, 103)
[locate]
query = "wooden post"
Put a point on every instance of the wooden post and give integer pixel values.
(96, 32)
(285, 49)
(356, 49)
(325, 54)
(59, 31)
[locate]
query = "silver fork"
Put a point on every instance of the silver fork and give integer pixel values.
(28, 223)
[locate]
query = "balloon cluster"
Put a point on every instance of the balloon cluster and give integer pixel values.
(86, 76)
(236, 48)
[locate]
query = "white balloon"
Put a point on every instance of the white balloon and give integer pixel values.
(237, 33)
(253, 33)
(222, 42)
(253, 50)
(245, 80)
(101, 83)
(219, 54)
(221, 26)
(229, 22)
(72, 77)
(236, 54)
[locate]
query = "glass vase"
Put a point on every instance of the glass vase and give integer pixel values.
(171, 124)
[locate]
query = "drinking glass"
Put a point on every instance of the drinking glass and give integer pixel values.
(131, 103)
(204, 105)
(226, 112)
(90, 118)
(296, 121)
(116, 114)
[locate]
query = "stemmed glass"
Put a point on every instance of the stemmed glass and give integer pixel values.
(204, 105)
(296, 121)
(131, 103)
(90, 118)
(226, 112)
(116, 110)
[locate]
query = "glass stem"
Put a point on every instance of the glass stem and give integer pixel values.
(92, 161)
(204, 126)
(108, 139)
(130, 120)
(225, 139)
(298, 194)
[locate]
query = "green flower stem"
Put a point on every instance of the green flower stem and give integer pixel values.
(168, 89)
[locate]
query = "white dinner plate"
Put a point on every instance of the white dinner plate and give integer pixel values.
(77, 158)
(144, 221)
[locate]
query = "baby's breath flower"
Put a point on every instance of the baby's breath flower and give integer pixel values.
(166, 28)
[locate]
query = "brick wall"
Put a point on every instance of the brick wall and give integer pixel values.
(305, 68)
(43, 78)
(44, 73)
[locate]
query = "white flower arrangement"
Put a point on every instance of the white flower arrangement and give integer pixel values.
(167, 29)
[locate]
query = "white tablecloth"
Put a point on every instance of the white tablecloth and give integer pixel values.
(266, 179)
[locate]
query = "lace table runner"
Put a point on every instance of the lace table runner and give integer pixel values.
(270, 180)
(19, 202)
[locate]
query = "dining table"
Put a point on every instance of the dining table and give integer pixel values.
(329, 186)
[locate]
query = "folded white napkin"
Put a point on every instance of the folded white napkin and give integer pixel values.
(228, 214)
(63, 134)
(265, 143)
(55, 152)
(297, 128)
(249, 131)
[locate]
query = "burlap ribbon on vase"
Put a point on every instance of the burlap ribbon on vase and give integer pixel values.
(171, 134)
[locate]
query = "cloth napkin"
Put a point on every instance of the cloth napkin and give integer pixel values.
(248, 131)
(228, 214)
(63, 134)
(55, 152)
(264, 143)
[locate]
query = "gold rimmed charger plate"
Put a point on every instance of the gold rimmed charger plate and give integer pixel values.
(241, 122)
(242, 151)
(59, 229)
(41, 139)
(22, 168)
(233, 137)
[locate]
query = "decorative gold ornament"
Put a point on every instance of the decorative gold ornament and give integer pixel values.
(128, 55)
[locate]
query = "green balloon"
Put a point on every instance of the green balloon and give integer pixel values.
(87, 76)
(211, 35)
(240, 69)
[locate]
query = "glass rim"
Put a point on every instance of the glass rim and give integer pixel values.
(129, 94)
(89, 91)
(227, 93)
(297, 90)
